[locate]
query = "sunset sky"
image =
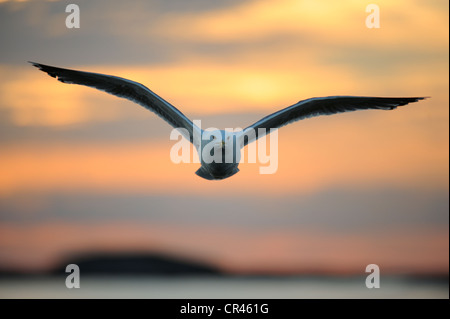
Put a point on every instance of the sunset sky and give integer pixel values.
(84, 171)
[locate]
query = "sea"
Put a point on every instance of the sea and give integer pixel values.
(223, 287)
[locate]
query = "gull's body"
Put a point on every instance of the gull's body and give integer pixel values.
(223, 141)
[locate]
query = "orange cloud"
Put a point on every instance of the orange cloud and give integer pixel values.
(329, 21)
(203, 88)
(386, 150)
(35, 100)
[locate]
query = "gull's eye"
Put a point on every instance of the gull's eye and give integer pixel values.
(214, 137)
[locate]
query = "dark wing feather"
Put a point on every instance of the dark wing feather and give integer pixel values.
(123, 88)
(326, 106)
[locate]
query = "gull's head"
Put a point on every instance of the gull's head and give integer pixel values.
(220, 139)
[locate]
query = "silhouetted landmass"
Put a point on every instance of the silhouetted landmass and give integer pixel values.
(137, 264)
(126, 264)
(153, 264)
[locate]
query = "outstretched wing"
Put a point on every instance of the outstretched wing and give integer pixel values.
(324, 106)
(126, 89)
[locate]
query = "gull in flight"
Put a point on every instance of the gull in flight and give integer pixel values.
(225, 166)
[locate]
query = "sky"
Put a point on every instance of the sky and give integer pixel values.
(82, 171)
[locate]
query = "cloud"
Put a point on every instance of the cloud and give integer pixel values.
(349, 153)
(203, 88)
(329, 22)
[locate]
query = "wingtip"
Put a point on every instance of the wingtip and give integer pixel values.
(35, 64)
(418, 98)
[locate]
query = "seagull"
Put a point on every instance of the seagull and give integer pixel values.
(221, 142)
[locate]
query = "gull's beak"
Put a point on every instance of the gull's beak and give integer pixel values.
(222, 144)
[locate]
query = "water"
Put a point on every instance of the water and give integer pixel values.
(222, 287)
